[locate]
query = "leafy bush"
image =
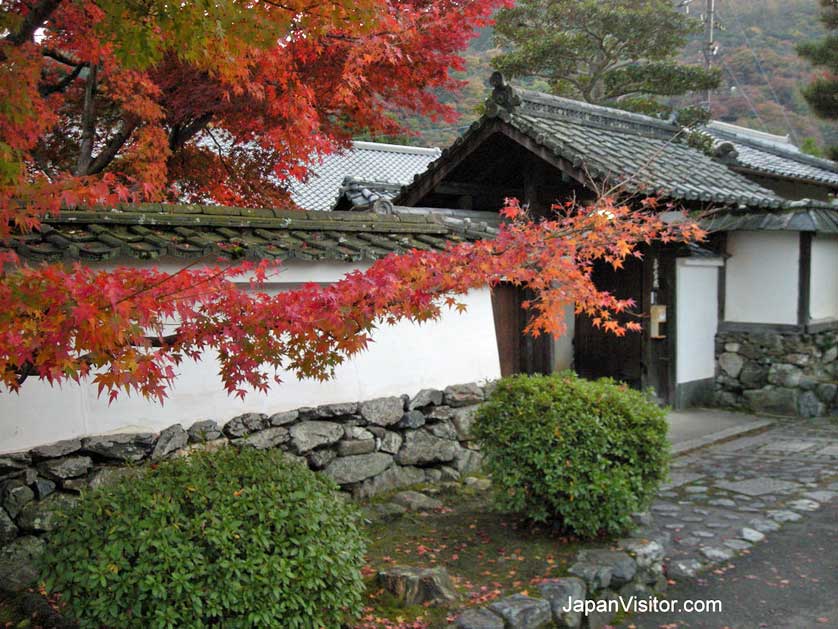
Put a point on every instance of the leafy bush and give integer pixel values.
(231, 538)
(582, 454)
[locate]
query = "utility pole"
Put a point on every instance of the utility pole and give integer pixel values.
(709, 42)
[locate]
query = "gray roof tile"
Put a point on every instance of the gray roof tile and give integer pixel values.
(368, 161)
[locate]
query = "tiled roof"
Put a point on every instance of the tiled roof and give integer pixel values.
(804, 215)
(369, 161)
(605, 144)
(773, 156)
(358, 194)
(148, 231)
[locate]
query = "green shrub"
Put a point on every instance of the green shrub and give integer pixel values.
(229, 538)
(581, 454)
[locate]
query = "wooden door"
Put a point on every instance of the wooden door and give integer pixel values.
(518, 352)
(599, 354)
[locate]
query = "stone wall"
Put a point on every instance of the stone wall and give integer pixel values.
(781, 374)
(366, 447)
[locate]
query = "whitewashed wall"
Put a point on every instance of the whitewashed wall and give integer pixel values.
(403, 359)
(823, 304)
(697, 282)
(762, 276)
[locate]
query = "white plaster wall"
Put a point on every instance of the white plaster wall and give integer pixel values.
(762, 276)
(697, 285)
(563, 345)
(403, 359)
(823, 295)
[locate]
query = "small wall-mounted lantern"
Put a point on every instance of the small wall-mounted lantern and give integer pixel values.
(657, 319)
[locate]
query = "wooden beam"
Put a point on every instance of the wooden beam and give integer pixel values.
(461, 188)
(429, 181)
(804, 278)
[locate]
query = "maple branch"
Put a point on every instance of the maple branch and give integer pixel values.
(60, 57)
(181, 134)
(107, 155)
(88, 123)
(46, 90)
(32, 21)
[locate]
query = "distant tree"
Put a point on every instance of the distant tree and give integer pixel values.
(822, 93)
(620, 52)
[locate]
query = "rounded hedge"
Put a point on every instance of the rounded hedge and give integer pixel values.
(581, 454)
(228, 538)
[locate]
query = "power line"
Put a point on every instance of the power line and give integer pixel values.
(743, 92)
(765, 78)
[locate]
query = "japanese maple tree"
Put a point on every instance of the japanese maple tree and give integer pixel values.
(106, 101)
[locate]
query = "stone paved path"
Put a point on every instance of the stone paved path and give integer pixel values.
(723, 499)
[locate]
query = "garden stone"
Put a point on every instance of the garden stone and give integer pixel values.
(737, 544)
(463, 421)
(448, 474)
(283, 418)
(784, 516)
(44, 515)
(821, 495)
(352, 448)
(597, 577)
(423, 448)
(55, 450)
(731, 364)
(523, 612)
(440, 413)
(18, 563)
(804, 504)
(353, 469)
(309, 435)
(830, 355)
(753, 376)
(722, 502)
(684, 568)
(826, 392)
(623, 568)
(412, 419)
(15, 496)
(557, 592)
(337, 410)
(751, 535)
(478, 618)
(107, 476)
(123, 447)
(433, 476)
(264, 439)
(784, 375)
(764, 526)
(10, 465)
(468, 461)
(203, 431)
(389, 511)
(75, 485)
(243, 425)
(356, 432)
(68, 467)
(391, 442)
(459, 395)
(443, 430)
(419, 586)
(384, 411)
(392, 478)
(416, 501)
(172, 438)
(480, 484)
(605, 611)
(42, 487)
(425, 397)
(777, 401)
(810, 406)
(645, 552)
(318, 459)
(714, 554)
(8, 530)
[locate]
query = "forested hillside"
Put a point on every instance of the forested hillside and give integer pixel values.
(762, 73)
